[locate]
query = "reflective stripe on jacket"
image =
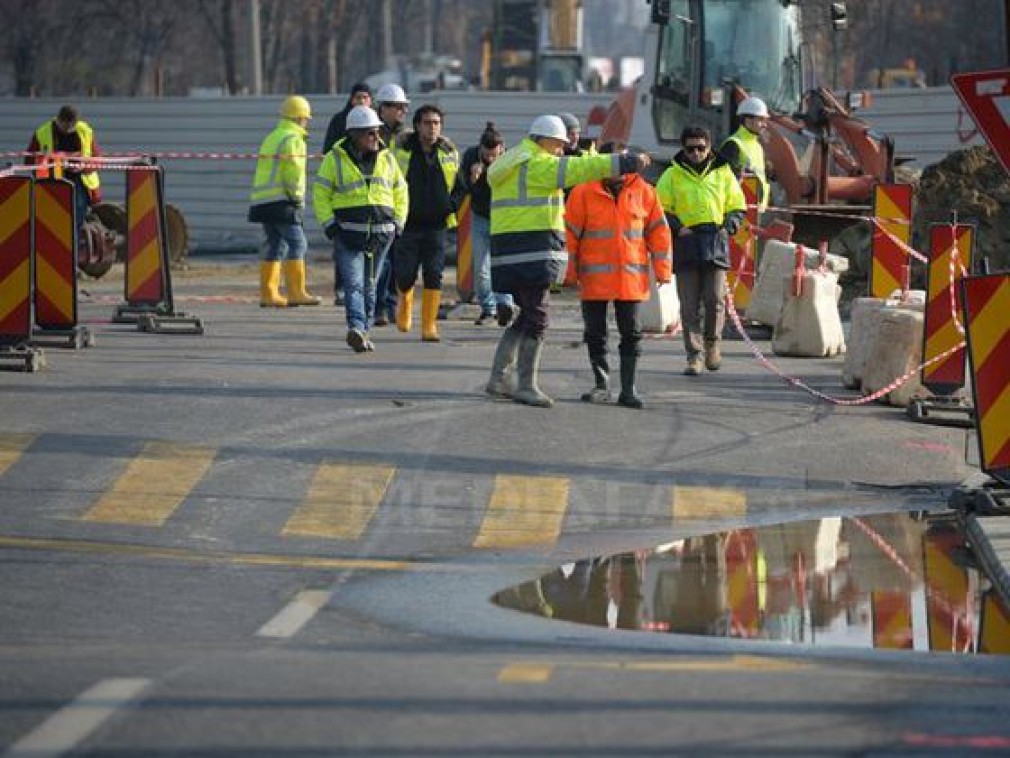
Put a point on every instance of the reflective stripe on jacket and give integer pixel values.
(448, 160)
(280, 168)
(528, 212)
(367, 210)
(47, 144)
(752, 154)
(612, 243)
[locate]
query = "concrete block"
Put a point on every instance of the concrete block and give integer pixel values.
(661, 311)
(810, 325)
(896, 351)
(777, 261)
(864, 331)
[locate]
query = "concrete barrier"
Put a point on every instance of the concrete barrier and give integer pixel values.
(809, 324)
(661, 312)
(777, 262)
(896, 349)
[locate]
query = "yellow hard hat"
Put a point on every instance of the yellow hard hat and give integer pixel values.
(296, 106)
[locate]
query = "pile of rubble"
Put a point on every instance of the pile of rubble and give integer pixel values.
(970, 183)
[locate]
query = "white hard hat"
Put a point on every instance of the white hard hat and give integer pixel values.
(391, 93)
(752, 106)
(362, 117)
(549, 126)
(570, 120)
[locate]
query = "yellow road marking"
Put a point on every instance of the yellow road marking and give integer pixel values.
(235, 559)
(525, 673)
(11, 448)
(524, 510)
(341, 501)
(692, 503)
(153, 485)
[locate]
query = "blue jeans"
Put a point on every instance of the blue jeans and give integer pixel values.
(480, 240)
(284, 238)
(358, 273)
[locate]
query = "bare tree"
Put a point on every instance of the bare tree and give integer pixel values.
(220, 18)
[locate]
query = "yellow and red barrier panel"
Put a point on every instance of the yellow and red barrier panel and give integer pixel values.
(994, 627)
(892, 619)
(949, 594)
(15, 259)
(950, 253)
(146, 280)
(987, 326)
(742, 581)
(743, 249)
(892, 208)
(55, 255)
(464, 252)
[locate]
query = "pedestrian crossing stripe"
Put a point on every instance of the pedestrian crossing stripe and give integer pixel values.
(524, 511)
(341, 501)
(154, 484)
(695, 503)
(12, 446)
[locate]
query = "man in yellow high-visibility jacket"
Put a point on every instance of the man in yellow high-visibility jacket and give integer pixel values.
(69, 136)
(360, 198)
(277, 201)
(528, 243)
(743, 150)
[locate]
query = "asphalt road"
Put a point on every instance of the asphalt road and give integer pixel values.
(186, 569)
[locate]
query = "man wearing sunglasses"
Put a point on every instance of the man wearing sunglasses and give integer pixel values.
(360, 200)
(705, 207)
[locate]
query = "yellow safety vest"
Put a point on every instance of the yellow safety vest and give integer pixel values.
(448, 160)
(754, 159)
(700, 198)
(365, 209)
(47, 144)
(528, 211)
(280, 168)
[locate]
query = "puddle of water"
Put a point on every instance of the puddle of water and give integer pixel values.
(893, 581)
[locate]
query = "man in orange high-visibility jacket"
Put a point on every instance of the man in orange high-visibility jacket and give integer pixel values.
(617, 232)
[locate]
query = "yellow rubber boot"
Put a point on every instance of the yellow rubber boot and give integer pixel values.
(404, 310)
(270, 285)
(294, 273)
(430, 300)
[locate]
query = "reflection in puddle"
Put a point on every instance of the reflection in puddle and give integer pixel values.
(889, 581)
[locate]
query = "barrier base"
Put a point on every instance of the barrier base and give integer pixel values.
(76, 338)
(131, 314)
(22, 357)
(176, 323)
(942, 411)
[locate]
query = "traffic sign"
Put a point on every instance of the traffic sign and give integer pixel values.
(986, 95)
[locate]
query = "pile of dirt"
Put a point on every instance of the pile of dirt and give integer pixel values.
(970, 185)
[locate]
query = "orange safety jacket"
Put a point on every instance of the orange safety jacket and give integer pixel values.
(612, 243)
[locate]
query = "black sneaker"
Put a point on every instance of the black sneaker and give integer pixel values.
(357, 340)
(505, 314)
(485, 316)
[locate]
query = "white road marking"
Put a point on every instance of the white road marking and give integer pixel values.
(72, 724)
(295, 614)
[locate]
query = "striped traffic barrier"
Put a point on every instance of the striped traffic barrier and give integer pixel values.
(743, 248)
(148, 279)
(55, 231)
(949, 594)
(986, 305)
(742, 583)
(994, 625)
(950, 255)
(891, 617)
(464, 252)
(892, 207)
(16, 274)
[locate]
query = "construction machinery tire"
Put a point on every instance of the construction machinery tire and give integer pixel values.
(178, 234)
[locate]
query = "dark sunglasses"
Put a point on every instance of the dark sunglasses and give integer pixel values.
(695, 148)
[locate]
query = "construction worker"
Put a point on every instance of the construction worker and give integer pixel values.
(616, 233)
(360, 201)
(361, 94)
(392, 105)
(743, 151)
(528, 244)
(705, 206)
(69, 136)
(430, 164)
(277, 201)
(473, 170)
(574, 129)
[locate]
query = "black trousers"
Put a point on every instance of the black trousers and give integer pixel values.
(594, 316)
(534, 303)
(422, 250)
